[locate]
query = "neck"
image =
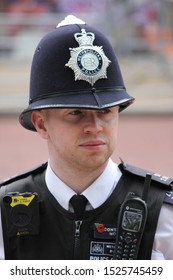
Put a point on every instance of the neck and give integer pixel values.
(77, 180)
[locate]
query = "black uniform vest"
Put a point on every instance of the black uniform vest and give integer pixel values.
(62, 236)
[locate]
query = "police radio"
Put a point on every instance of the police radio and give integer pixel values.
(131, 224)
(21, 213)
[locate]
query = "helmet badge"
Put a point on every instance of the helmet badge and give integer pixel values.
(88, 62)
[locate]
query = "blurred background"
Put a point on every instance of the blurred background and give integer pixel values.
(141, 32)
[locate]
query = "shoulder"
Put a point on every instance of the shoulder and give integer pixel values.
(162, 182)
(24, 175)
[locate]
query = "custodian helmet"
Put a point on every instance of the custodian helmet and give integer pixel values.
(74, 66)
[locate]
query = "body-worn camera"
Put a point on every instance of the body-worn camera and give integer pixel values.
(21, 213)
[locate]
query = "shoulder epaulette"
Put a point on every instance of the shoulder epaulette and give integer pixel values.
(24, 175)
(165, 181)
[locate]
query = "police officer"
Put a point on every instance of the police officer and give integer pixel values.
(73, 206)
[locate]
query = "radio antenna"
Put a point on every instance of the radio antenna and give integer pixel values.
(147, 183)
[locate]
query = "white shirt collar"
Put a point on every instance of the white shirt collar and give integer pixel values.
(96, 193)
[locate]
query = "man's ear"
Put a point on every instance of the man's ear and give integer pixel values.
(38, 120)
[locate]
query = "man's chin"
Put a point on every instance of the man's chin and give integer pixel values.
(94, 162)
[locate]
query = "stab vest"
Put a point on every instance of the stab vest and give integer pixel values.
(62, 236)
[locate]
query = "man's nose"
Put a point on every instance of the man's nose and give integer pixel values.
(93, 125)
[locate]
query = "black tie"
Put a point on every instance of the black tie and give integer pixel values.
(79, 204)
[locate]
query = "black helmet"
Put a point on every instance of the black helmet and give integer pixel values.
(74, 66)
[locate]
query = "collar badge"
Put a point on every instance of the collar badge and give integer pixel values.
(88, 62)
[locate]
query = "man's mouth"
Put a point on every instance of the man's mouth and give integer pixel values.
(93, 145)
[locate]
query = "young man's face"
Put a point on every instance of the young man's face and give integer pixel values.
(78, 138)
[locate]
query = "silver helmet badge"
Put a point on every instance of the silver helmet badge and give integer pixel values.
(88, 62)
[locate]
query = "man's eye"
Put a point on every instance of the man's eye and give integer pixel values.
(105, 111)
(75, 112)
